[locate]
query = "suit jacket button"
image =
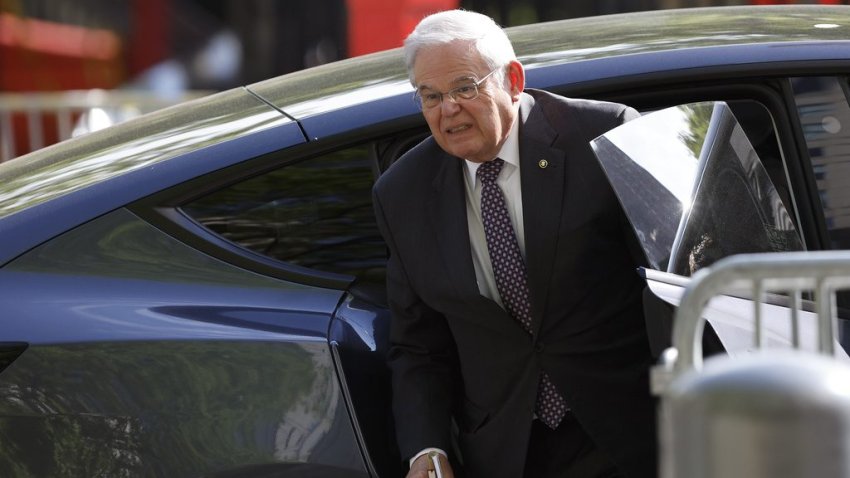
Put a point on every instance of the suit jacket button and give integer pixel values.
(539, 347)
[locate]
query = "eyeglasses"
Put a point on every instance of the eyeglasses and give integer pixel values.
(430, 98)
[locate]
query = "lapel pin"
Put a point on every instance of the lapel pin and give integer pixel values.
(543, 163)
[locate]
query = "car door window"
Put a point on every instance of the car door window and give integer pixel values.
(822, 106)
(315, 213)
(694, 188)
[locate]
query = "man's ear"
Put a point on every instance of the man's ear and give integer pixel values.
(516, 79)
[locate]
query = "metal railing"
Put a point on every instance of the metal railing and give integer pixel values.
(772, 412)
(818, 273)
(30, 121)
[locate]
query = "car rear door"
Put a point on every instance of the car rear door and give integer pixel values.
(695, 191)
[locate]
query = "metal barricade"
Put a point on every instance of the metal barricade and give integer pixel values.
(769, 413)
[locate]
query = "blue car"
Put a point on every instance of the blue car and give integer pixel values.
(200, 291)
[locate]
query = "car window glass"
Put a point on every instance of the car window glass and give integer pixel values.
(822, 106)
(315, 213)
(694, 188)
(758, 125)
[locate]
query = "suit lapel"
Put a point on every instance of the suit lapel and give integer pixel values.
(447, 207)
(543, 176)
(447, 211)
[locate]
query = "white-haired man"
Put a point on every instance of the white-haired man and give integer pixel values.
(517, 315)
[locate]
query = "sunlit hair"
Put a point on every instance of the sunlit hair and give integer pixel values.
(481, 31)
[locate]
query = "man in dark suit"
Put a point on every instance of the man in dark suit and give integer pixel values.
(517, 316)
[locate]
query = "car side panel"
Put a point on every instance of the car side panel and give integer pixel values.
(149, 358)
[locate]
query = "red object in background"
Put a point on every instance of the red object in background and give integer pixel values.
(150, 39)
(45, 56)
(37, 55)
(375, 25)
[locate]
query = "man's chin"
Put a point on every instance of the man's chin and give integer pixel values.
(465, 153)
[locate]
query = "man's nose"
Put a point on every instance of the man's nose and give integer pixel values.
(449, 106)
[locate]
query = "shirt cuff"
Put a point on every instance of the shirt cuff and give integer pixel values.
(425, 452)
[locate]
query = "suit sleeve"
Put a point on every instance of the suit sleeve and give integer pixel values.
(422, 357)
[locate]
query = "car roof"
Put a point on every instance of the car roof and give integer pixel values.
(368, 78)
(641, 36)
(374, 88)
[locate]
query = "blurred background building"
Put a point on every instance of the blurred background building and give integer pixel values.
(149, 53)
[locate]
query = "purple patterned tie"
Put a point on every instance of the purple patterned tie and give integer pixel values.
(511, 278)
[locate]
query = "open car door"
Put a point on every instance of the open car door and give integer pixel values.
(695, 191)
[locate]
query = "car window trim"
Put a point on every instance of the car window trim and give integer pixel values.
(163, 211)
(178, 225)
(163, 208)
(814, 209)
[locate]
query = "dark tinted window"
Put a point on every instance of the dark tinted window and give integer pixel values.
(825, 117)
(694, 188)
(315, 213)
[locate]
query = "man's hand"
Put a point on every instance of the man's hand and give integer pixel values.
(420, 468)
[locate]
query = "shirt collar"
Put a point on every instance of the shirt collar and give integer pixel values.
(509, 152)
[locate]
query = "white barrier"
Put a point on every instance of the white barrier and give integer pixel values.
(74, 113)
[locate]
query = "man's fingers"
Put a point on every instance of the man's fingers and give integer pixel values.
(419, 468)
(423, 464)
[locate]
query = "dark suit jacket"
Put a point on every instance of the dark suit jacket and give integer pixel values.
(456, 354)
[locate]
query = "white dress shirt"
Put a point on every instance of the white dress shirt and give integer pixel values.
(509, 182)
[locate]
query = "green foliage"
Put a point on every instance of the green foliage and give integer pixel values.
(699, 118)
